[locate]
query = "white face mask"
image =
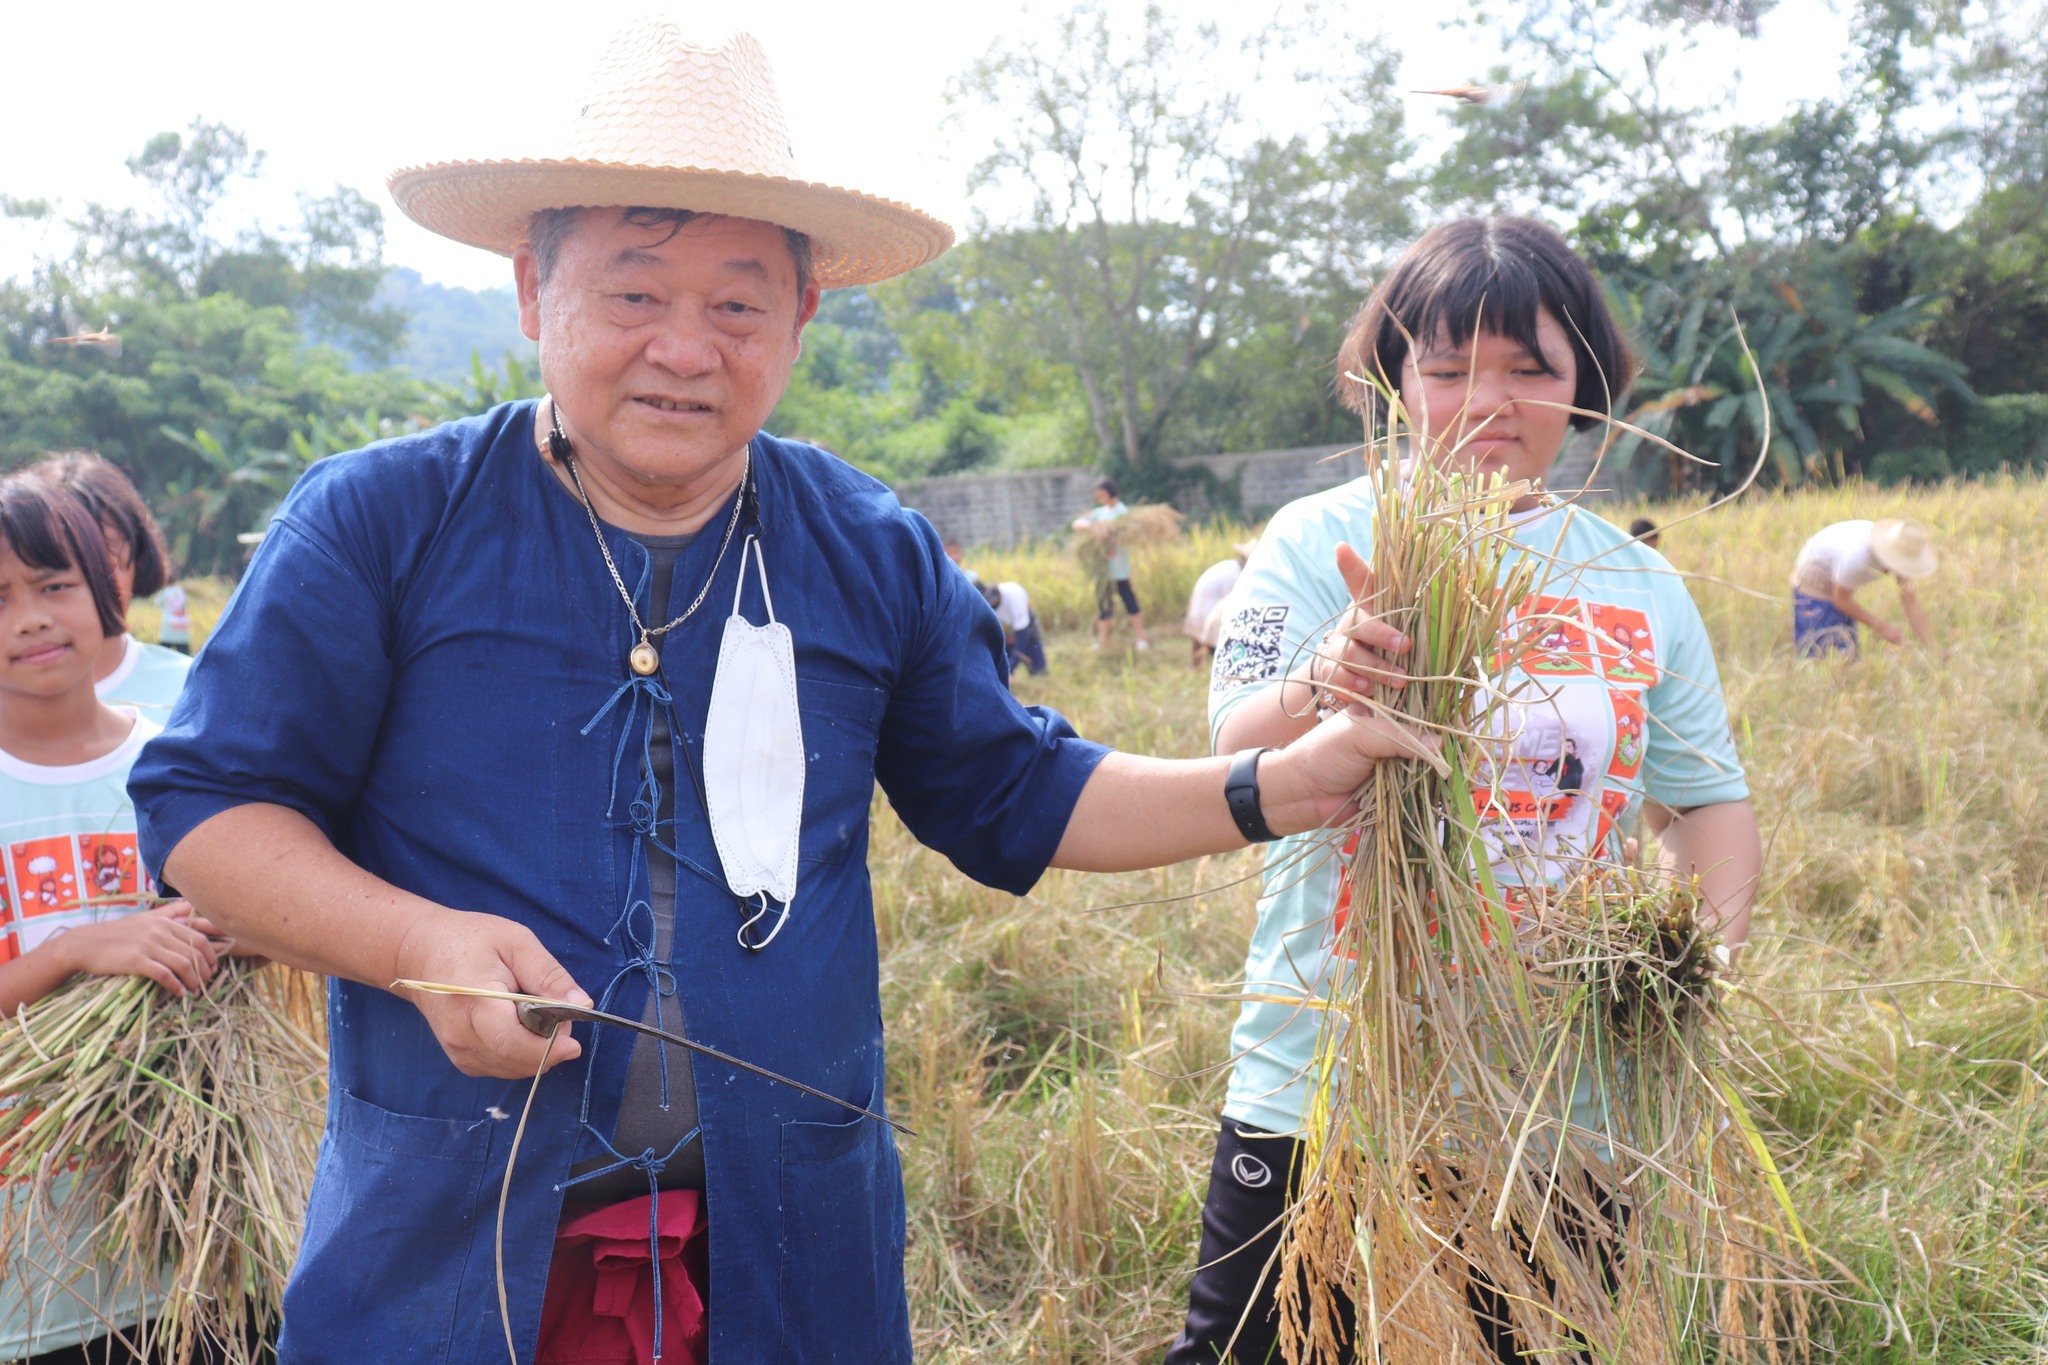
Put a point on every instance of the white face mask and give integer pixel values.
(754, 759)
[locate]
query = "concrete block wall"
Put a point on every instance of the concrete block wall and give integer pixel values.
(1010, 507)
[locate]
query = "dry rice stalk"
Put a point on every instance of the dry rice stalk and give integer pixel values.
(1146, 525)
(191, 1127)
(1521, 1136)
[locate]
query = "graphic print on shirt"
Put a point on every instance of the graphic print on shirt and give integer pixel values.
(1612, 804)
(49, 882)
(1549, 639)
(110, 864)
(1252, 649)
(1621, 635)
(42, 881)
(1539, 776)
(1629, 733)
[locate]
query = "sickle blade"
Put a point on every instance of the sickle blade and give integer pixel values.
(542, 1019)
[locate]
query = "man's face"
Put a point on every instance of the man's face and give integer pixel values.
(665, 356)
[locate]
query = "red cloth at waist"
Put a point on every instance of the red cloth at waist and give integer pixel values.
(599, 1307)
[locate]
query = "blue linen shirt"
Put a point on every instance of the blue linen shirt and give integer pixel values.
(409, 663)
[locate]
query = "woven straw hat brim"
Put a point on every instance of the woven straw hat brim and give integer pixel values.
(1904, 547)
(856, 238)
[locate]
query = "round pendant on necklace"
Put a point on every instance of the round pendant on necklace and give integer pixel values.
(645, 659)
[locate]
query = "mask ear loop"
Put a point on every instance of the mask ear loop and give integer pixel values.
(760, 913)
(753, 543)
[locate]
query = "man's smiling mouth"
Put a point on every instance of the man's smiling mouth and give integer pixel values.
(676, 405)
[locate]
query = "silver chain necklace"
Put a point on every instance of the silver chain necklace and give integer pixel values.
(643, 658)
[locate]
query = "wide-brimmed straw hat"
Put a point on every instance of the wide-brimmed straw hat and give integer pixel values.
(1906, 548)
(670, 123)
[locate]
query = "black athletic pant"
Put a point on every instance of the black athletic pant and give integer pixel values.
(1250, 1183)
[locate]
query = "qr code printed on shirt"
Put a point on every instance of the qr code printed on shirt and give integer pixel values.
(1251, 649)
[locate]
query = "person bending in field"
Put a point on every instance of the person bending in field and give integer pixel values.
(1113, 568)
(1022, 642)
(1836, 562)
(1205, 604)
(1510, 330)
(73, 894)
(130, 672)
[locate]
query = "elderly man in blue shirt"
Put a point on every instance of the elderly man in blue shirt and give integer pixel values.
(585, 699)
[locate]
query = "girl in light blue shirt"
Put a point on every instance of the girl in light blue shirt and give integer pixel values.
(1617, 702)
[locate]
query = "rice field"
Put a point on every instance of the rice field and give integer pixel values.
(1060, 1055)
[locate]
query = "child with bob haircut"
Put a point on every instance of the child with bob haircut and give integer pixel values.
(1491, 331)
(129, 672)
(74, 897)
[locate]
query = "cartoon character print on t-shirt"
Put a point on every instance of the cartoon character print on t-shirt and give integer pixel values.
(1549, 639)
(110, 863)
(60, 880)
(1631, 739)
(1621, 636)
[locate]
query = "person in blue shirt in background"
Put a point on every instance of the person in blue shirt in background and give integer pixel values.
(586, 698)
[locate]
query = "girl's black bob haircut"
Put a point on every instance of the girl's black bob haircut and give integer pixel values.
(49, 527)
(108, 495)
(1498, 273)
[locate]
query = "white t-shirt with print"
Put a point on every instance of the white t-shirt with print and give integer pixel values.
(1615, 695)
(1836, 556)
(67, 857)
(1013, 608)
(148, 678)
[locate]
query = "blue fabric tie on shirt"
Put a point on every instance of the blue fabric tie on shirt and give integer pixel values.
(410, 663)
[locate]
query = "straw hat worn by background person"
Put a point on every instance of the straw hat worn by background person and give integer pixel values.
(1838, 560)
(670, 124)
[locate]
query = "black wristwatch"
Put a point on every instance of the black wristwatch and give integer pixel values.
(1241, 791)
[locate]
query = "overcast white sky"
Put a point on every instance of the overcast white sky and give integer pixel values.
(347, 93)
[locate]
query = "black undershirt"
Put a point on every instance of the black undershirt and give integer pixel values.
(643, 1123)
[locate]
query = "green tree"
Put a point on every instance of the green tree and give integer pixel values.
(1164, 228)
(207, 334)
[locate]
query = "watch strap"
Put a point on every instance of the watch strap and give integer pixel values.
(1241, 793)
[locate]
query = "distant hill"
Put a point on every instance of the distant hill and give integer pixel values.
(449, 323)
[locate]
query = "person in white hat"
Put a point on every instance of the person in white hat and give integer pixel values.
(587, 698)
(1837, 561)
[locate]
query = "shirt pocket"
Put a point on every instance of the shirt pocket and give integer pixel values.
(842, 1245)
(841, 724)
(392, 1218)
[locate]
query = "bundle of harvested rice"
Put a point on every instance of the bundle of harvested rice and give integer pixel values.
(173, 1141)
(1522, 1136)
(1146, 525)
